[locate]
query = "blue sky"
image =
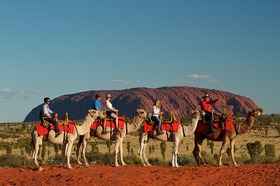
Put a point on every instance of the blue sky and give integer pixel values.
(52, 48)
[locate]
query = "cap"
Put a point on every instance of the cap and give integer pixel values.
(206, 95)
(108, 96)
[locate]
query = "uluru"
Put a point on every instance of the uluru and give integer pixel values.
(181, 100)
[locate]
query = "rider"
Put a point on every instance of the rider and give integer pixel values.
(206, 106)
(47, 114)
(111, 111)
(155, 116)
(96, 105)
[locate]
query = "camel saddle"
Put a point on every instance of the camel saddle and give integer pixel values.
(169, 124)
(63, 121)
(225, 123)
(110, 123)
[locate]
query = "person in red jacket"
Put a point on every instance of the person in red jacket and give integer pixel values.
(206, 106)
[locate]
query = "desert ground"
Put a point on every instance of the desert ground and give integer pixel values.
(253, 174)
(99, 174)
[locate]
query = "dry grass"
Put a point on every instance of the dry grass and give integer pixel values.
(15, 134)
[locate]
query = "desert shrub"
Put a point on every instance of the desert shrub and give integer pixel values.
(185, 160)
(254, 150)
(128, 147)
(208, 159)
(157, 161)
(269, 150)
(15, 161)
(9, 149)
(242, 159)
(211, 144)
(278, 128)
(163, 149)
(107, 158)
(131, 160)
(4, 136)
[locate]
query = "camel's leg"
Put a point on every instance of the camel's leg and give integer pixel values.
(84, 145)
(121, 150)
(68, 149)
(197, 150)
(78, 149)
(223, 149)
(63, 153)
(36, 142)
(175, 153)
(117, 147)
(143, 141)
(232, 142)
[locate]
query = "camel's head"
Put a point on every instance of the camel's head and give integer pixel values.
(141, 113)
(256, 112)
(92, 114)
(196, 114)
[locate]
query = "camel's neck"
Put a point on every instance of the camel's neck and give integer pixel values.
(84, 128)
(247, 125)
(190, 129)
(135, 125)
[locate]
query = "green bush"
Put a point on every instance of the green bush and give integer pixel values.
(157, 161)
(208, 159)
(254, 150)
(185, 160)
(269, 150)
(131, 160)
(15, 161)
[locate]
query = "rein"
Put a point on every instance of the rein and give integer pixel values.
(183, 129)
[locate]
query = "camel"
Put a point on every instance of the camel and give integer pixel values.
(225, 137)
(118, 137)
(182, 132)
(67, 139)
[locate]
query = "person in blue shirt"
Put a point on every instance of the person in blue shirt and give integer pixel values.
(96, 105)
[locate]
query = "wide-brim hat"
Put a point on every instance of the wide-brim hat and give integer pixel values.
(206, 95)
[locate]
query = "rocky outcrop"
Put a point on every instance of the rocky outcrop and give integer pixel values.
(181, 100)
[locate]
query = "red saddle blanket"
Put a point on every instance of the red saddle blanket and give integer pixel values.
(206, 126)
(64, 128)
(164, 126)
(109, 123)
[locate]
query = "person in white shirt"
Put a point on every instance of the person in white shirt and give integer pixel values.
(111, 111)
(155, 116)
(47, 114)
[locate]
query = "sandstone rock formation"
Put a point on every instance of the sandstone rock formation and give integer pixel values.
(181, 100)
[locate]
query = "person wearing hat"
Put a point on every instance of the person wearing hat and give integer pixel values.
(111, 111)
(48, 114)
(96, 105)
(206, 106)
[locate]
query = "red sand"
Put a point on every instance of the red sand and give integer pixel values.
(255, 174)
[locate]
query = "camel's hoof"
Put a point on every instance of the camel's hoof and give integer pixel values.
(70, 168)
(40, 169)
(236, 165)
(117, 165)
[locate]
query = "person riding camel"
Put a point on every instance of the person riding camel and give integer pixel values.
(47, 114)
(111, 111)
(155, 116)
(206, 106)
(96, 105)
